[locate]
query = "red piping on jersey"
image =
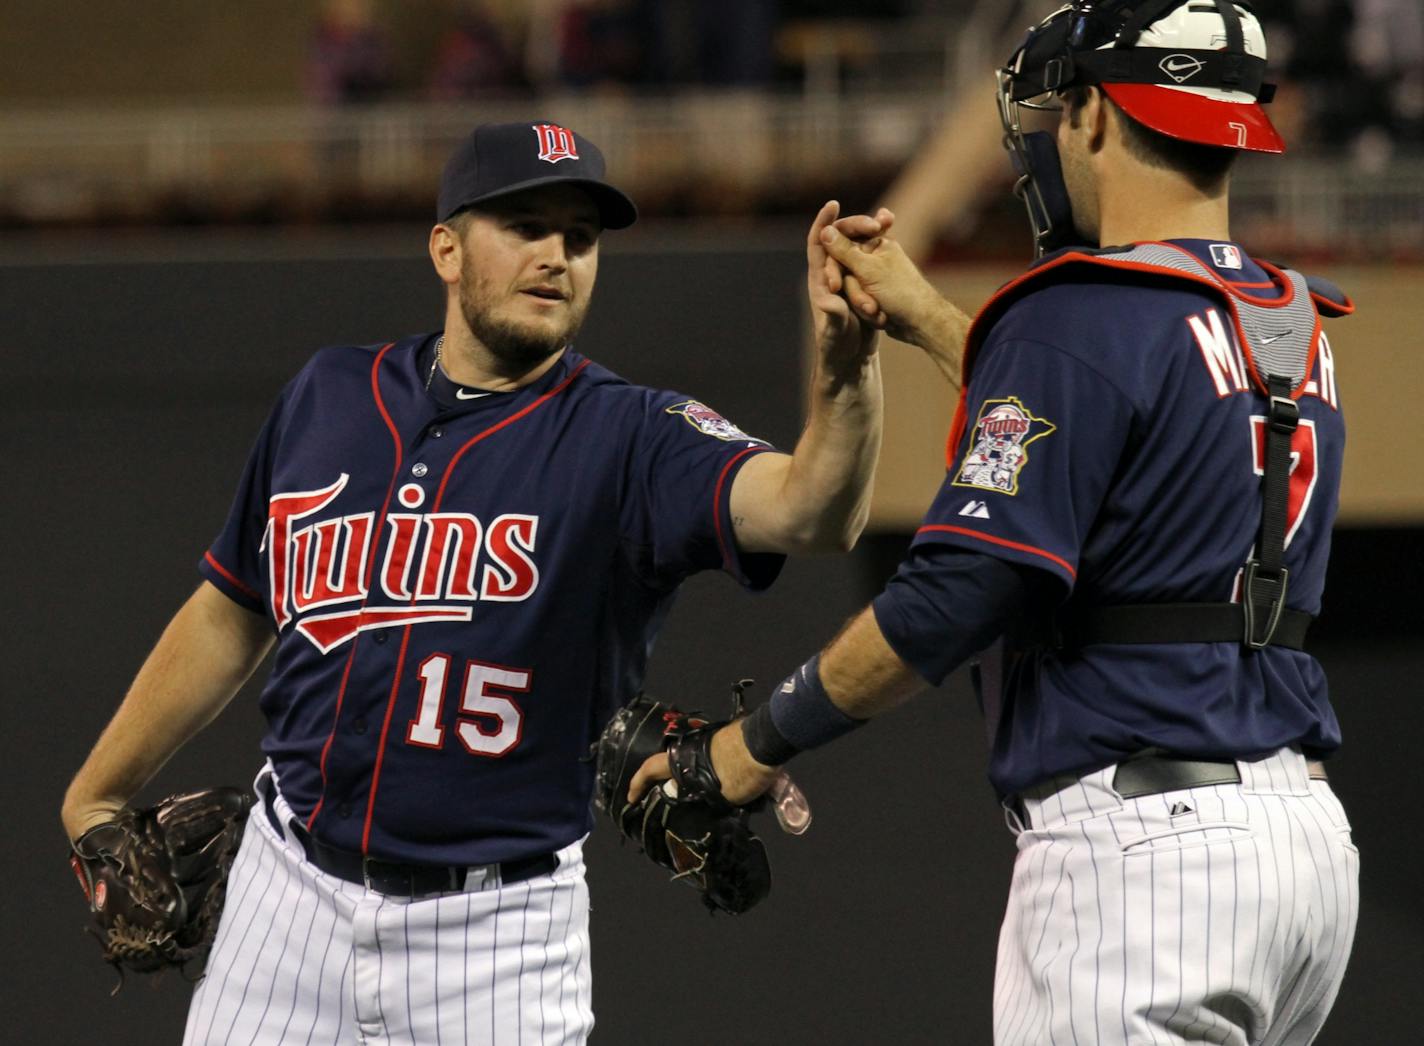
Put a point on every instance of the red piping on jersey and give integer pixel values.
(405, 638)
(450, 468)
(722, 545)
(1005, 542)
(385, 729)
(231, 578)
(370, 564)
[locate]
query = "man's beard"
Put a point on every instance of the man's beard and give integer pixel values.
(517, 347)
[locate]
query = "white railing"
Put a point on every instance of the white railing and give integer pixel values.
(724, 151)
(1331, 205)
(61, 165)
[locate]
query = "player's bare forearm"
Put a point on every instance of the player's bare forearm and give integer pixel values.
(861, 671)
(941, 335)
(818, 498)
(206, 653)
(862, 675)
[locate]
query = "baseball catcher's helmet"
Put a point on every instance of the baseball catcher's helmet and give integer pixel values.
(1189, 69)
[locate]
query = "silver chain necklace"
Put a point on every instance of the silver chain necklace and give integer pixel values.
(435, 363)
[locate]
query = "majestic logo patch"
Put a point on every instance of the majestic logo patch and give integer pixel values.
(1180, 67)
(707, 421)
(1226, 255)
(555, 143)
(1000, 449)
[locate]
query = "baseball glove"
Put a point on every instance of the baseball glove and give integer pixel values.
(155, 878)
(684, 824)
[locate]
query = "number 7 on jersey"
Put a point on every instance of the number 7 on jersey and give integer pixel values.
(1302, 468)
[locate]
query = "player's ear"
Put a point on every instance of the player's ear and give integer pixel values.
(1095, 115)
(446, 252)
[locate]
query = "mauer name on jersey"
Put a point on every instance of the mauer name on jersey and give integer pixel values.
(1229, 371)
(328, 564)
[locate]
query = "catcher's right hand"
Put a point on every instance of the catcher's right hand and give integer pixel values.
(155, 878)
(684, 824)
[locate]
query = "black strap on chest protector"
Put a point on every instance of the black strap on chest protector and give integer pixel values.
(1261, 618)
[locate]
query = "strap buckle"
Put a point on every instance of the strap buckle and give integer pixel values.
(1263, 598)
(1285, 414)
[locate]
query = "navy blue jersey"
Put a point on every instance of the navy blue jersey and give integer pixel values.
(1113, 438)
(464, 585)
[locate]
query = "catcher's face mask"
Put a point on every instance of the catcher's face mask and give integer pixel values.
(1189, 69)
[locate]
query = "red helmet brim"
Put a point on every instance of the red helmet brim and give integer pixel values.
(1194, 118)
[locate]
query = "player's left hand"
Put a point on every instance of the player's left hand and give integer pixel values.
(844, 339)
(742, 777)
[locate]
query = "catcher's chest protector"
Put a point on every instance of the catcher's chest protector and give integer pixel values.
(1278, 337)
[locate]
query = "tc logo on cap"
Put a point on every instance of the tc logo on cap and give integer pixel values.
(555, 143)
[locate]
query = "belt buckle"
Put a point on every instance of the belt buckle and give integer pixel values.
(382, 877)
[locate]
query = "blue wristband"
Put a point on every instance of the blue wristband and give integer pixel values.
(803, 713)
(764, 741)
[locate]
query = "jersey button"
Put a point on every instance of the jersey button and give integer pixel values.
(418, 469)
(437, 432)
(358, 726)
(380, 637)
(343, 810)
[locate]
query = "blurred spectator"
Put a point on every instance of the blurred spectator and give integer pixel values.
(585, 43)
(475, 56)
(1313, 37)
(724, 44)
(1388, 46)
(350, 57)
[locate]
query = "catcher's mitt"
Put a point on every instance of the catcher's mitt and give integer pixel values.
(684, 824)
(155, 878)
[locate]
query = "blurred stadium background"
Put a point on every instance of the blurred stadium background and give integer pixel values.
(195, 196)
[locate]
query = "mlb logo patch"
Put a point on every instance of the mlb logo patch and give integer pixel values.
(707, 421)
(999, 448)
(555, 143)
(1226, 255)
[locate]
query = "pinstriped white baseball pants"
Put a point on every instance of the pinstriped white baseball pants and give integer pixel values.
(303, 957)
(1222, 914)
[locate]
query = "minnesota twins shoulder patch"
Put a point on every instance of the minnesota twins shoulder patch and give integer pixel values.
(998, 448)
(708, 421)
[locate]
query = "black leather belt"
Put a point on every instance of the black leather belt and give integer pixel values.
(1151, 774)
(404, 880)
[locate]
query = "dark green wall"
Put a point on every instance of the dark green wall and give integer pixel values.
(135, 374)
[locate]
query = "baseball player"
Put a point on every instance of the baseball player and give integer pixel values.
(462, 544)
(1132, 536)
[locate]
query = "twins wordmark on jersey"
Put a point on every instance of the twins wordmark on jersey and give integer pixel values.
(463, 588)
(324, 564)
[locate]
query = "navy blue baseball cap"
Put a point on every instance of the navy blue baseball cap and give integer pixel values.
(503, 158)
